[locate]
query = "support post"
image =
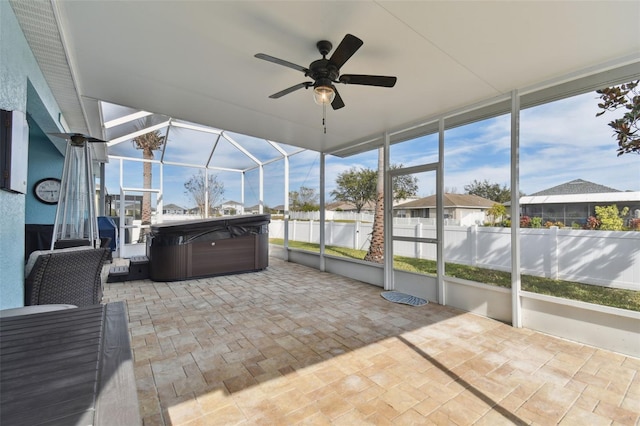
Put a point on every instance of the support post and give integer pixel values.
(322, 210)
(442, 299)
(516, 312)
(388, 218)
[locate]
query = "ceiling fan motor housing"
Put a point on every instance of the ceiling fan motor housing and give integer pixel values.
(323, 69)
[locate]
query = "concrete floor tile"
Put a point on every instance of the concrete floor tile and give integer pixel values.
(292, 345)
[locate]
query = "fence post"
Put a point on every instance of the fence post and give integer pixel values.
(553, 252)
(356, 235)
(418, 245)
(473, 244)
(311, 222)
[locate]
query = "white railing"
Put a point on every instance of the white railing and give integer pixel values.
(605, 258)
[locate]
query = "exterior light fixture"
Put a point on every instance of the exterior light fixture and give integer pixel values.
(323, 93)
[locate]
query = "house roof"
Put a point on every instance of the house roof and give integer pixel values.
(450, 200)
(576, 186)
(173, 206)
(580, 191)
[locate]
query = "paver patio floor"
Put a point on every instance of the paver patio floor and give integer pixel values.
(292, 345)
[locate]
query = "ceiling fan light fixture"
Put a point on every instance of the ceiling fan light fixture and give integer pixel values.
(323, 95)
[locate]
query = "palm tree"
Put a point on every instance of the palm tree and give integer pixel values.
(148, 143)
(376, 248)
(403, 186)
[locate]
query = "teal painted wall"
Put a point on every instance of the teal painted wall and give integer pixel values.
(19, 74)
(44, 161)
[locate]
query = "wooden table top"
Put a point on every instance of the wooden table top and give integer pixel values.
(68, 367)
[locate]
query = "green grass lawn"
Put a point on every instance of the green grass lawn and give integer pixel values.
(617, 298)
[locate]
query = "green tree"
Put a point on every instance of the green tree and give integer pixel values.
(209, 194)
(490, 191)
(147, 143)
(610, 218)
(356, 187)
(496, 212)
(625, 129)
(304, 200)
(359, 186)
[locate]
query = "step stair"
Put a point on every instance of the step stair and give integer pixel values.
(138, 269)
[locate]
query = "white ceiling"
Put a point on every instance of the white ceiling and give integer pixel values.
(195, 60)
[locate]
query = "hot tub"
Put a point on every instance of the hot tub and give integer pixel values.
(202, 248)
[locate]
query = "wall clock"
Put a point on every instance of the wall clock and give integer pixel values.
(47, 190)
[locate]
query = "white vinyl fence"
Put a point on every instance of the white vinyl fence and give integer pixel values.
(605, 258)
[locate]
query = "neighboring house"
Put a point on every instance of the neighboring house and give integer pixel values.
(576, 200)
(279, 209)
(255, 209)
(465, 208)
(229, 208)
(174, 209)
(341, 206)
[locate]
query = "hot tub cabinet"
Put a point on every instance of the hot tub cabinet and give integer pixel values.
(201, 248)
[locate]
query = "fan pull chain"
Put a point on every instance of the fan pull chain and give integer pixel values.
(324, 117)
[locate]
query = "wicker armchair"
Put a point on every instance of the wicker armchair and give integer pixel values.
(65, 276)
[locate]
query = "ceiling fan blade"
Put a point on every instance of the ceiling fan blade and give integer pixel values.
(291, 89)
(337, 101)
(347, 47)
(368, 80)
(281, 62)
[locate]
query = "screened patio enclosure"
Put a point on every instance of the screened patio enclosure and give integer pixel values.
(184, 151)
(199, 147)
(457, 63)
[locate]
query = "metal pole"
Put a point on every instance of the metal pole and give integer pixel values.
(442, 293)
(516, 312)
(286, 207)
(322, 212)
(387, 218)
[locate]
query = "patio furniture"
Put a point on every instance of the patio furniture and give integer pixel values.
(68, 276)
(68, 367)
(35, 309)
(200, 248)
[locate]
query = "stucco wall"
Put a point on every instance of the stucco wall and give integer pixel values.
(44, 161)
(18, 70)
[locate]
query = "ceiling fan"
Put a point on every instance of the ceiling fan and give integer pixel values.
(325, 72)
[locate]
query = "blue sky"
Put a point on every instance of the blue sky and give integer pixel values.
(559, 142)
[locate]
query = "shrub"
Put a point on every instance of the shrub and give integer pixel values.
(506, 223)
(536, 222)
(576, 225)
(634, 224)
(549, 224)
(592, 223)
(610, 218)
(525, 222)
(496, 212)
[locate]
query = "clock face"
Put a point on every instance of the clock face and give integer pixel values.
(47, 190)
